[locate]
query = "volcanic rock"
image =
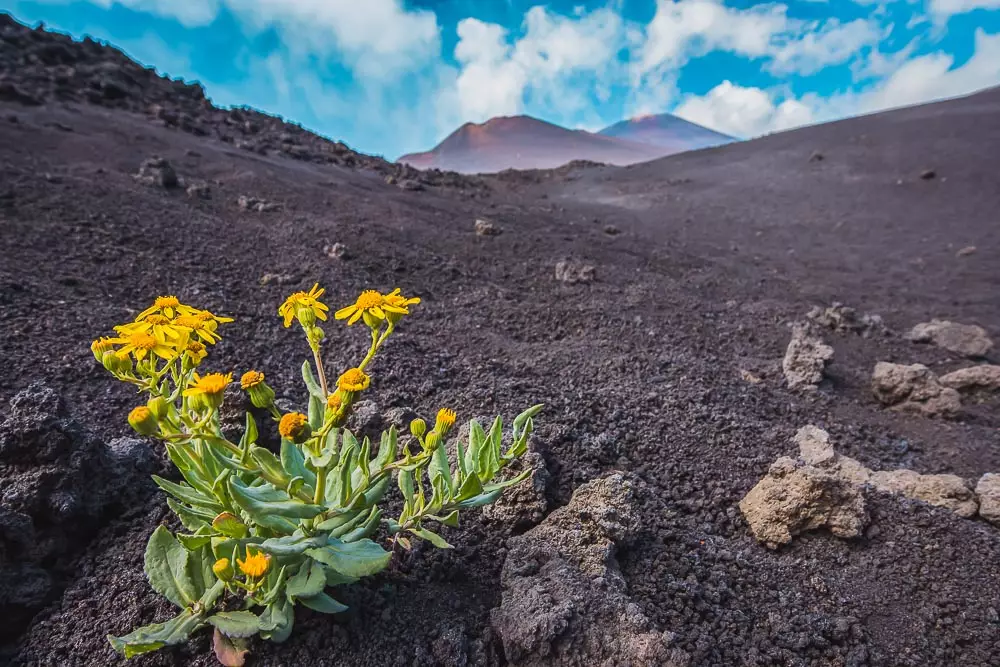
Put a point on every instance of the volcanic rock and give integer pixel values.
(968, 340)
(948, 491)
(336, 251)
(843, 319)
(805, 358)
(914, 388)
(985, 377)
(572, 272)
(795, 497)
(564, 599)
(525, 504)
(988, 492)
(248, 203)
(157, 171)
(199, 191)
(486, 228)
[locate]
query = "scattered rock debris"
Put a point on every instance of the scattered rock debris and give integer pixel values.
(157, 171)
(248, 203)
(805, 358)
(969, 340)
(200, 190)
(573, 271)
(842, 319)
(914, 388)
(966, 251)
(336, 251)
(974, 379)
(277, 279)
(487, 228)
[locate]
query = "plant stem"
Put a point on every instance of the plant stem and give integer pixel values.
(320, 371)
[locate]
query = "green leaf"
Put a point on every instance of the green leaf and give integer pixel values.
(524, 419)
(167, 566)
(311, 384)
(267, 500)
(236, 623)
(277, 620)
(344, 478)
(477, 439)
(440, 468)
(480, 500)
(316, 412)
(366, 529)
(324, 604)
(194, 542)
(157, 635)
(291, 545)
(374, 494)
(334, 578)
(348, 526)
(184, 459)
(294, 462)
(249, 433)
(431, 537)
(229, 651)
(386, 450)
(450, 520)
(356, 559)
(191, 518)
(310, 580)
(471, 487)
(188, 495)
(270, 467)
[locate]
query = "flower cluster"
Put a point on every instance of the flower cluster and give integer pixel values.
(277, 529)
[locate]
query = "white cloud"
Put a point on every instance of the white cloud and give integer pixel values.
(946, 8)
(751, 111)
(829, 43)
(557, 62)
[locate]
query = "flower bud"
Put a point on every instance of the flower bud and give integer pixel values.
(294, 426)
(305, 316)
(418, 427)
(99, 347)
(223, 569)
(142, 420)
(116, 364)
(445, 420)
(230, 526)
(261, 395)
(159, 406)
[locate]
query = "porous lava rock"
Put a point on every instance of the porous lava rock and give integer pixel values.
(565, 601)
(914, 388)
(525, 504)
(805, 358)
(988, 492)
(843, 319)
(969, 340)
(948, 491)
(59, 482)
(975, 379)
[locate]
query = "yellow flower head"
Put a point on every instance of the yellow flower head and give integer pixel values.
(196, 351)
(354, 379)
(165, 305)
(223, 569)
(142, 420)
(294, 426)
(141, 343)
(202, 328)
(445, 420)
(305, 306)
(334, 401)
(159, 327)
(397, 300)
(370, 305)
(251, 379)
(207, 391)
(256, 565)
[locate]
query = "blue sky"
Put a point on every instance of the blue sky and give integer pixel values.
(392, 76)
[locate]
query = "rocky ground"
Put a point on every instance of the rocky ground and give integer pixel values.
(650, 308)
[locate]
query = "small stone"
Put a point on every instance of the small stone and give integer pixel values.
(157, 171)
(928, 174)
(968, 340)
(611, 230)
(199, 191)
(487, 228)
(914, 388)
(985, 377)
(277, 279)
(966, 251)
(805, 359)
(816, 156)
(572, 272)
(988, 490)
(410, 185)
(948, 491)
(336, 251)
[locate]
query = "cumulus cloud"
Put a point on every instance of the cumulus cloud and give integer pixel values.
(743, 112)
(946, 8)
(826, 44)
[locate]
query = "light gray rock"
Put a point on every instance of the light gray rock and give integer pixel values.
(968, 340)
(572, 272)
(486, 228)
(983, 378)
(988, 491)
(914, 388)
(842, 319)
(948, 491)
(805, 359)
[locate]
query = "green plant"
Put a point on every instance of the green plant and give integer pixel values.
(267, 531)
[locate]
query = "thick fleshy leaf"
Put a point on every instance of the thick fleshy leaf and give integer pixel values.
(439, 468)
(231, 652)
(310, 580)
(480, 500)
(291, 545)
(311, 384)
(355, 559)
(236, 623)
(168, 568)
(471, 487)
(267, 500)
(249, 433)
(157, 635)
(277, 620)
(431, 537)
(347, 526)
(294, 462)
(450, 520)
(386, 450)
(524, 419)
(191, 518)
(366, 529)
(323, 603)
(188, 495)
(194, 542)
(316, 412)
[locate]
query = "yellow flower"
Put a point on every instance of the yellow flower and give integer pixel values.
(369, 305)
(305, 306)
(256, 565)
(203, 328)
(397, 300)
(196, 351)
(207, 391)
(141, 343)
(354, 379)
(334, 401)
(445, 420)
(251, 379)
(160, 328)
(223, 569)
(294, 426)
(166, 305)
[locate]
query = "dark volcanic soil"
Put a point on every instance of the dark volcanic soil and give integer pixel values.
(710, 256)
